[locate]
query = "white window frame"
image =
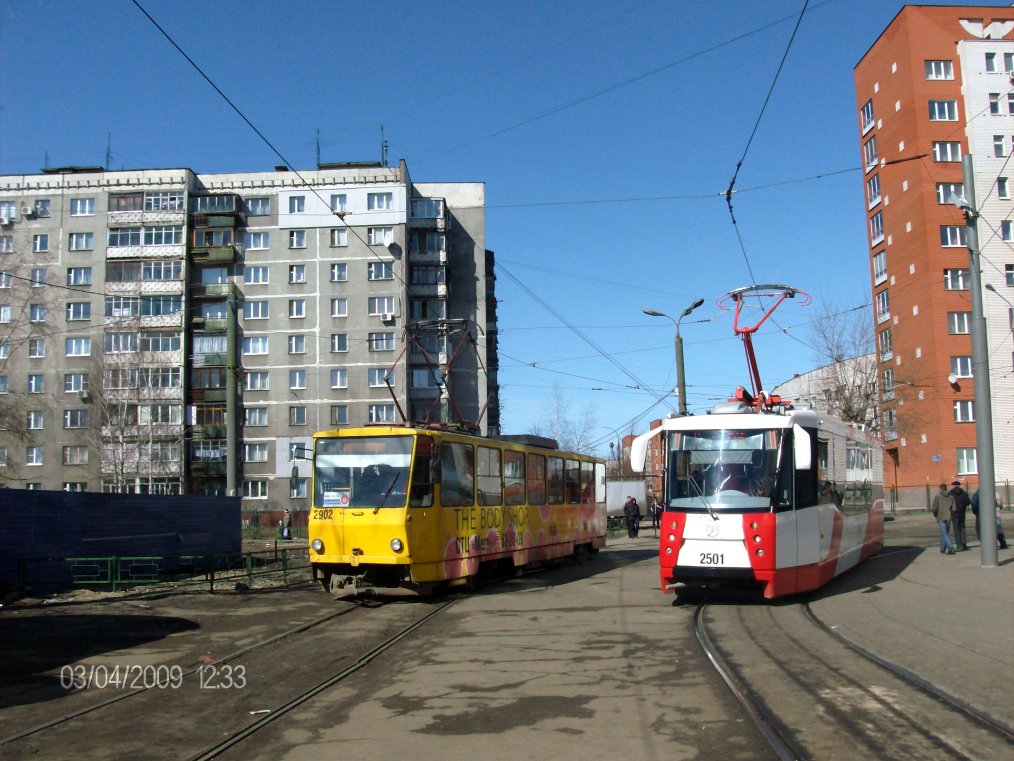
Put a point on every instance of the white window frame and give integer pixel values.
(297, 344)
(258, 270)
(939, 69)
(340, 307)
(961, 366)
(255, 346)
(255, 452)
(879, 267)
(380, 305)
(379, 201)
(339, 237)
(257, 380)
(82, 207)
(297, 309)
(255, 417)
(379, 236)
(297, 204)
(941, 110)
(297, 274)
(82, 241)
(959, 323)
(259, 206)
(957, 279)
(297, 414)
(255, 488)
(297, 380)
(947, 151)
(968, 463)
(256, 310)
(339, 202)
(964, 411)
(339, 377)
(339, 343)
(259, 240)
(953, 236)
(381, 413)
(339, 272)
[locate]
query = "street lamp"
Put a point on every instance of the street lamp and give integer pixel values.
(680, 381)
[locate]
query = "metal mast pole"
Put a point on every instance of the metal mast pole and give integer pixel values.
(981, 405)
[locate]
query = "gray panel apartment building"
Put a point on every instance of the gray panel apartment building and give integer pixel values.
(163, 331)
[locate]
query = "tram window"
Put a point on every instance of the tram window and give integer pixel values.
(489, 473)
(573, 481)
(536, 479)
(555, 474)
(457, 474)
(587, 482)
(806, 480)
(421, 493)
(514, 477)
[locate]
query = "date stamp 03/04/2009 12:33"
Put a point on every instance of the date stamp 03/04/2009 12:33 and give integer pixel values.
(210, 676)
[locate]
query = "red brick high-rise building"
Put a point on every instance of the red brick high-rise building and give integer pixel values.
(936, 85)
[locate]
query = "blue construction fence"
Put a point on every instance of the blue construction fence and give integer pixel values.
(41, 530)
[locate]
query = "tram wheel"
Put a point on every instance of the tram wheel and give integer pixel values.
(472, 583)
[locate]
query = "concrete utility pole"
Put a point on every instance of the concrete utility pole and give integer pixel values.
(982, 405)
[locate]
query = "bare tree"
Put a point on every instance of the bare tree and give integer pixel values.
(844, 342)
(573, 432)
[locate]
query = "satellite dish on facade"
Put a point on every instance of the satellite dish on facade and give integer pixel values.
(952, 379)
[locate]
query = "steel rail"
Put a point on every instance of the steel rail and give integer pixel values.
(989, 722)
(361, 661)
(783, 747)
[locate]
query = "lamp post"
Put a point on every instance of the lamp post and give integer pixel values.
(678, 342)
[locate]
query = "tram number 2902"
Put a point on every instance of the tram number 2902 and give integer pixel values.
(323, 515)
(712, 558)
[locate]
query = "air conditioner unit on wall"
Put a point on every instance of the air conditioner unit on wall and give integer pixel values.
(28, 211)
(386, 317)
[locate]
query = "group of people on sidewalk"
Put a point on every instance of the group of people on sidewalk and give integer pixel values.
(632, 512)
(949, 506)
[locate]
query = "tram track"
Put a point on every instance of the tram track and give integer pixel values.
(814, 696)
(274, 668)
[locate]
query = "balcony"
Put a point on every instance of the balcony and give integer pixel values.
(207, 394)
(213, 254)
(210, 324)
(213, 290)
(437, 290)
(419, 255)
(208, 360)
(206, 468)
(216, 431)
(170, 251)
(214, 220)
(428, 213)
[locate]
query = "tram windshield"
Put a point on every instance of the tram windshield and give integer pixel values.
(722, 470)
(362, 471)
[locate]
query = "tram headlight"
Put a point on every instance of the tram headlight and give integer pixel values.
(754, 525)
(318, 546)
(756, 539)
(668, 550)
(760, 552)
(396, 544)
(673, 526)
(672, 537)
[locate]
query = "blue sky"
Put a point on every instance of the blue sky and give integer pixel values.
(606, 134)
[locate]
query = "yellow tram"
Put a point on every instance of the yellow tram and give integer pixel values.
(423, 507)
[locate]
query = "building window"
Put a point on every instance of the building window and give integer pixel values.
(124, 236)
(36, 348)
(38, 277)
(1007, 230)
(961, 366)
(381, 413)
(255, 417)
(339, 378)
(255, 310)
(256, 380)
(297, 308)
(75, 486)
(883, 304)
(339, 414)
(956, 279)
(339, 236)
(297, 415)
(297, 379)
(999, 146)
(82, 207)
(75, 455)
(959, 323)
(40, 243)
(1008, 63)
(297, 204)
(380, 271)
(36, 383)
(79, 310)
(297, 344)
(873, 190)
(952, 236)
(339, 342)
(6, 281)
(258, 241)
(75, 382)
(35, 420)
(964, 411)
(967, 464)
(1002, 188)
(865, 118)
(379, 236)
(991, 67)
(297, 238)
(258, 207)
(255, 453)
(379, 201)
(423, 378)
(946, 151)
(339, 307)
(255, 345)
(994, 103)
(943, 110)
(6, 244)
(379, 377)
(948, 192)
(255, 488)
(78, 347)
(381, 341)
(338, 202)
(877, 227)
(339, 273)
(879, 267)
(5, 313)
(82, 241)
(887, 384)
(380, 305)
(1008, 271)
(939, 69)
(79, 276)
(165, 235)
(297, 273)
(255, 276)
(160, 341)
(870, 152)
(33, 456)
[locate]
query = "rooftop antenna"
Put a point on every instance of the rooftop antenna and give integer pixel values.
(383, 147)
(46, 162)
(318, 147)
(109, 149)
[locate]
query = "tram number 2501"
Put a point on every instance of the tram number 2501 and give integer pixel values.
(712, 558)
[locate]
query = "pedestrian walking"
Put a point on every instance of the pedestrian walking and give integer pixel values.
(656, 513)
(943, 504)
(961, 503)
(286, 525)
(632, 513)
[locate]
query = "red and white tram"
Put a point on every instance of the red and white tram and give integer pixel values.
(758, 491)
(785, 499)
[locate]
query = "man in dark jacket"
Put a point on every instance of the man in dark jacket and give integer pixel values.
(961, 503)
(632, 512)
